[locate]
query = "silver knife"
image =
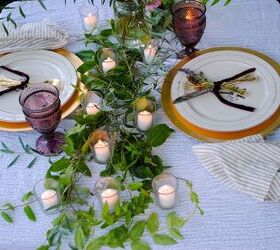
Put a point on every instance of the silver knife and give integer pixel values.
(192, 95)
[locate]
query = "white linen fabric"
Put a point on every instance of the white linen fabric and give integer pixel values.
(249, 165)
(30, 36)
(232, 220)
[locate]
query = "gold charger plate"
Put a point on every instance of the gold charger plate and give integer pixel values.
(190, 129)
(67, 108)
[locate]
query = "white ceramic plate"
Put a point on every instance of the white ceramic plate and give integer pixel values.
(208, 112)
(40, 65)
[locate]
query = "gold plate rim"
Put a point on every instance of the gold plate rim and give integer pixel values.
(206, 135)
(67, 108)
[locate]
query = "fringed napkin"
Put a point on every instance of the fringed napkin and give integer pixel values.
(30, 36)
(250, 165)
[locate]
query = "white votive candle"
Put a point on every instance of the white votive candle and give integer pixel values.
(92, 108)
(144, 120)
(49, 198)
(108, 64)
(102, 151)
(167, 196)
(149, 54)
(90, 22)
(111, 197)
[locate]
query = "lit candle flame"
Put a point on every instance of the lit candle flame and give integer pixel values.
(190, 15)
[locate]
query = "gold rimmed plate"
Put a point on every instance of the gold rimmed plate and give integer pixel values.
(67, 108)
(204, 117)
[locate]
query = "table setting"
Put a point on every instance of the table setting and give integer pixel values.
(139, 124)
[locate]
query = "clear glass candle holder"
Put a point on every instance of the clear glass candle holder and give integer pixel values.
(107, 190)
(101, 146)
(144, 115)
(92, 103)
(150, 51)
(165, 187)
(108, 59)
(47, 194)
(90, 17)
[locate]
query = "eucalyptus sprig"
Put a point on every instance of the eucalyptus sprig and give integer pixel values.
(26, 201)
(26, 148)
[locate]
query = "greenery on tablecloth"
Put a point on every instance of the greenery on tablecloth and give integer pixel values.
(132, 83)
(132, 163)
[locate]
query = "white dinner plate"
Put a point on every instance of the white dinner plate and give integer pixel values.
(40, 65)
(208, 112)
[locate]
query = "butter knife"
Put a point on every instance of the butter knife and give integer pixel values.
(192, 95)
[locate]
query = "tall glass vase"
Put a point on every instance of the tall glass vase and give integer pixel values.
(129, 23)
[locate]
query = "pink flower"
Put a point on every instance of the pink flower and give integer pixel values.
(152, 5)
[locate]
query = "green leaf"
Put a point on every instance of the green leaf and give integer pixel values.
(29, 213)
(85, 67)
(43, 248)
(13, 161)
(86, 55)
(96, 244)
(135, 185)
(158, 135)
(9, 206)
(163, 239)
(42, 4)
(25, 147)
(13, 22)
(9, 16)
(31, 164)
(105, 210)
(26, 196)
(83, 168)
(215, 2)
(80, 239)
(59, 165)
(227, 2)
(137, 230)
(174, 221)
(5, 29)
(194, 197)
(152, 223)
(140, 245)
(22, 12)
(6, 149)
(6, 217)
(175, 233)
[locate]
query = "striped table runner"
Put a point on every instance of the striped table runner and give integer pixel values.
(248, 165)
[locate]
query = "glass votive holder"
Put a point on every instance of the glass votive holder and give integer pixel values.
(92, 103)
(144, 115)
(150, 51)
(165, 188)
(107, 190)
(108, 59)
(101, 146)
(47, 194)
(90, 17)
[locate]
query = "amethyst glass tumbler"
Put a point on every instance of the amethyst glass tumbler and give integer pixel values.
(189, 22)
(41, 107)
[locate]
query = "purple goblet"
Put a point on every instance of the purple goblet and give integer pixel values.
(189, 22)
(41, 107)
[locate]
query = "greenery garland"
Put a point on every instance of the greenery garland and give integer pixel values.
(131, 84)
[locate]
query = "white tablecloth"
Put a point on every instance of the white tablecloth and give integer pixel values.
(232, 220)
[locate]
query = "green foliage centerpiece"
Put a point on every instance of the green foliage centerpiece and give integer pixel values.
(130, 86)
